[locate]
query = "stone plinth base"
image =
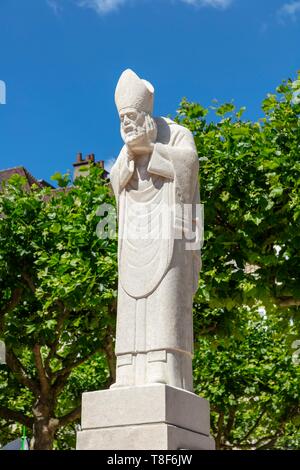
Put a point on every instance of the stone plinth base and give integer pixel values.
(143, 437)
(147, 417)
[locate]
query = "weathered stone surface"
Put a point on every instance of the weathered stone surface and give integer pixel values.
(145, 405)
(143, 437)
(145, 417)
(155, 181)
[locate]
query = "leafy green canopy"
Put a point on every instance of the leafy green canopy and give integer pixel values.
(250, 186)
(58, 287)
(253, 384)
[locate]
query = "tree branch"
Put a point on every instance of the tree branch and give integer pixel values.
(110, 356)
(109, 344)
(17, 368)
(220, 429)
(213, 427)
(272, 440)
(230, 422)
(209, 329)
(28, 280)
(64, 313)
(71, 363)
(45, 386)
(70, 417)
(63, 374)
(15, 299)
(269, 444)
(250, 431)
(12, 415)
(287, 302)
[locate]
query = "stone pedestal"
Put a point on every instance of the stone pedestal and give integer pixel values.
(146, 417)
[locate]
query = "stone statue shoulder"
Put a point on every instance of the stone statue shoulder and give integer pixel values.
(169, 129)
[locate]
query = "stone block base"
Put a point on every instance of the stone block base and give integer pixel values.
(143, 437)
(150, 417)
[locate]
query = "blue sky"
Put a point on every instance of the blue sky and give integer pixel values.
(61, 59)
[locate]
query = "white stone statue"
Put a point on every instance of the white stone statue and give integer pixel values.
(155, 181)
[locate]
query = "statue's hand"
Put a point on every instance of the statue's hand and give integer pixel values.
(151, 129)
(144, 143)
(139, 147)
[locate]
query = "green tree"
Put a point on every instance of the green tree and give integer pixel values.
(58, 287)
(250, 187)
(252, 383)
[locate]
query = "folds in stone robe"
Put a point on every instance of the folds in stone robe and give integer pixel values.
(158, 272)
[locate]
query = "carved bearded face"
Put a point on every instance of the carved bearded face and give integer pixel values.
(133, 124)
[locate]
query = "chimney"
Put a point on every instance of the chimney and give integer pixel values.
(81, 165)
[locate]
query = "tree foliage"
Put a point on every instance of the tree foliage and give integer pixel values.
(252, 382)
(58, 301)
(58, 285)
(250, 186)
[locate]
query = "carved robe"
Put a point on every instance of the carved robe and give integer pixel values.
(158, 275)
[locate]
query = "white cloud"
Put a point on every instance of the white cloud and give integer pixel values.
(102, 6)
(55, 6)
(289, 11)
(105, 6)
(209, 3)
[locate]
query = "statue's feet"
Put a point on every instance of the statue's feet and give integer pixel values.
(156, 373)
(120, 385)
(115, 385)
(157, 382)
(125, 372)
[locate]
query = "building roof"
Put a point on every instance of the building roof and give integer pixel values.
(30, 180)
(20, 170)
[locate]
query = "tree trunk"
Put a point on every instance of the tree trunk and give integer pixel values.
(44, 426)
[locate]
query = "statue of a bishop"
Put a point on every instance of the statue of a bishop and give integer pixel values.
(155, 181)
